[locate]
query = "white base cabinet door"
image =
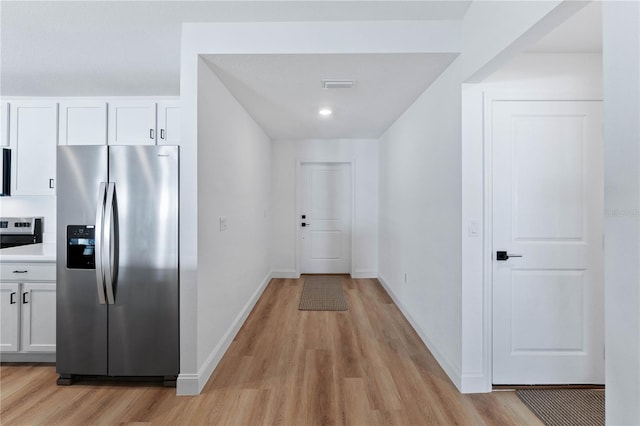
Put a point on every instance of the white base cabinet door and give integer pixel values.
(9, 316)
(38, 330)
(27, 311)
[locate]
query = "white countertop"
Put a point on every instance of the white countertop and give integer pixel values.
(29, 253)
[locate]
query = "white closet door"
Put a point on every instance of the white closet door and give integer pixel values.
(548, 325)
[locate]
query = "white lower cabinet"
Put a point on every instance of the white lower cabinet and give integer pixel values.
(38, 317)
(10, 316)
(27, 309)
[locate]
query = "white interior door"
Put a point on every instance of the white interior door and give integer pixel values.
(548, 324)
(325, 218)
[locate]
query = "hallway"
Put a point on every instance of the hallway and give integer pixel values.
(365, 366)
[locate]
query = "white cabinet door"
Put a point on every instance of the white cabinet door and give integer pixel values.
(83, 123)
(132, 123)
(169, 123)
(4, 123)
(38, 317)
(9, 316)
(33, 137)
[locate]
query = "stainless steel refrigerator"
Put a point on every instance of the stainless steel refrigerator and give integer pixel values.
(117, 270)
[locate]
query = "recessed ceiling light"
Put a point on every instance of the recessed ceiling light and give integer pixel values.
(325, 112)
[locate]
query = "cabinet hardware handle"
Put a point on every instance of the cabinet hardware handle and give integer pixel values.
(24, 297)
(12, 298)
(24, 271)
(151, 133)
(161, 133)
(51, 181)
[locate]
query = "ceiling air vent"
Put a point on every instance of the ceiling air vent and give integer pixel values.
(337, 84)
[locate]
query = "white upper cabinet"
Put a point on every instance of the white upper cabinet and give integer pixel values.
(169, 123)
(132, 123)
(33, 139)
(4, 123)
(83, 123)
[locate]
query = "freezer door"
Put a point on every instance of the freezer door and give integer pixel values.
(144, 320)
(81, 321)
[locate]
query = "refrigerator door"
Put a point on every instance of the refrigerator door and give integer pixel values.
(81, 321)
(143, 246)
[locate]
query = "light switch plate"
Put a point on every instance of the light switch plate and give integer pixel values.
(473, 228)
(223, 223)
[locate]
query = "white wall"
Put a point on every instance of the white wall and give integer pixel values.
(260, 38)
(234, 175)
(429, 237)
(420, 218)
(421, 188)
(621, 57)
(567, 73)
(285, 156)
(534, 76)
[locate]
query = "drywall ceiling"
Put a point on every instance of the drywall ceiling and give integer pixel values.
(132, 48)
(581, 33)
(92, 48)
(284, 93)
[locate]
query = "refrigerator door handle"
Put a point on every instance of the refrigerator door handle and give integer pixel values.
(108, 244)
(98, 242)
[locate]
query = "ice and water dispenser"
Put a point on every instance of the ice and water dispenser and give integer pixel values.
(81, 247)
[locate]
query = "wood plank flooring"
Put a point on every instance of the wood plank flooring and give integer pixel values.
(365, 366)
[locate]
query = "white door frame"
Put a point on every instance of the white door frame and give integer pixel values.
(352, 175)
(487, 255)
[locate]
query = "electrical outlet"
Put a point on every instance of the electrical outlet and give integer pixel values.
(223, 223)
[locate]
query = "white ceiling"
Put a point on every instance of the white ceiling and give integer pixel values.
(132, 48)
(581, 33)
(92, 48)
(283, 93)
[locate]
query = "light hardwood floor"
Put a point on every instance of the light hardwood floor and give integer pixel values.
(365, 366)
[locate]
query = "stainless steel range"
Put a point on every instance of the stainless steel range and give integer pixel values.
(20, 231)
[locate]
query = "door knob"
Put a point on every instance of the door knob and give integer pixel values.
(503, 255)
(303, 224)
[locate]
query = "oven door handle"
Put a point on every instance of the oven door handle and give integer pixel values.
(98, 242)
(110, 247)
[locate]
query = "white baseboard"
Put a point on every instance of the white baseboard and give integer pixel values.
(448, 367)
(364, 274)
(291, 273)
(192, 384)
(285, 273)
(475, 382)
